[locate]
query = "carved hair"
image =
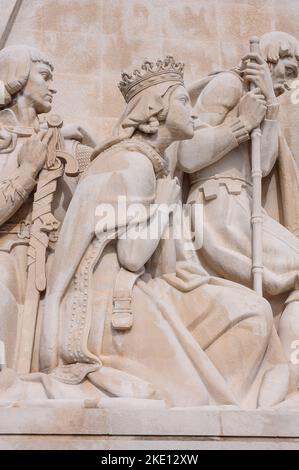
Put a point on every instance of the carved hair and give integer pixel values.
(152, 124)
(276, 45)
(15, 63)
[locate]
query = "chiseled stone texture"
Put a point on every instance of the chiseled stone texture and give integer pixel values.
(6, 7)
(91, 40)
(116, 428)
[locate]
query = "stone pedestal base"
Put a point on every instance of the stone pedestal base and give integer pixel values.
(74, 427)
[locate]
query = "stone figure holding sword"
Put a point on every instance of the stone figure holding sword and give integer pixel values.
(34, 192)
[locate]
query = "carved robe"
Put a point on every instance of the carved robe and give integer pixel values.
(194, 340)
(170, 333)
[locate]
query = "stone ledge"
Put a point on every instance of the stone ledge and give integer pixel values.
(201, 422)
(98, 443)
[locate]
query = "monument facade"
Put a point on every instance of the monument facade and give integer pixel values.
(149, 271)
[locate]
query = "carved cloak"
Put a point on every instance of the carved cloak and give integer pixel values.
(181, 320)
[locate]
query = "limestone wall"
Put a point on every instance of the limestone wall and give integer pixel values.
(91, 40)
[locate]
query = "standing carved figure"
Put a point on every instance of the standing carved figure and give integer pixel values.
(31, 188)
(218, 161)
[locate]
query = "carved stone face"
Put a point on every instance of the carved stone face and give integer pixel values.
(285, 71)
(179, 121)
(39, 89)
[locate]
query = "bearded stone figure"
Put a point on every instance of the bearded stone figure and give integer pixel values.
(133, 316)
(34, 193)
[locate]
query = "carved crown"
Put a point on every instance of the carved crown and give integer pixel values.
(150, 74)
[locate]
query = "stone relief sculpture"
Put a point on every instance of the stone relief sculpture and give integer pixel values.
(137, 317)
(108, 303)
(218, 161)
(34, 194)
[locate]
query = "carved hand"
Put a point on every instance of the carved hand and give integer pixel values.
(252, 109)
(167, 191)
(34, 151)
(256, 71)
(72, 131)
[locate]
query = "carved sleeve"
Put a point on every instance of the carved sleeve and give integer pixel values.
(269, 141)
(210, 144)
(216, 133)
(83, 154)
(13, 192)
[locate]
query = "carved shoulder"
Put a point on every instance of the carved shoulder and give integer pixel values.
(138, 171)
(138, 164)
(134, 168)
(220, 96)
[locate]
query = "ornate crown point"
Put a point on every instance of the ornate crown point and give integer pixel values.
(150, 74)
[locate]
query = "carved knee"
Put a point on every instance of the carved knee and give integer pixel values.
(289, 327)
(262, 312)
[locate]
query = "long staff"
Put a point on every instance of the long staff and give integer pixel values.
(256, 211)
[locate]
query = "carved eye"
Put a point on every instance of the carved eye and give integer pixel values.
(290, 72)
(45, 75)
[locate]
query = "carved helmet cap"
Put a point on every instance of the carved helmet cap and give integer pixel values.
(167, 70)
